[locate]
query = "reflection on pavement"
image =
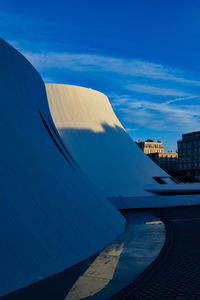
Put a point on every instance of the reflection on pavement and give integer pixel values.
(123, 260)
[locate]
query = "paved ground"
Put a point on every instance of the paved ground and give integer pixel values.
(176, 272)
(106, 273)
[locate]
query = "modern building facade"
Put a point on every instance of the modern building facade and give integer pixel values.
(149, 146)
(189, 156)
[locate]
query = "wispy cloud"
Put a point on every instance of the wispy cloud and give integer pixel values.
(144, 93)
(160, 116)
(154, 82)
(91, 62)
(153, 90)
(181, 99)
(131, 129)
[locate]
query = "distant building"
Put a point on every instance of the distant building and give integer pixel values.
(189, 156)
(149, 146)
(168, 161)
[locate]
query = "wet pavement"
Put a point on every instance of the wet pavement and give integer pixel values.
(175, 274)
(133, 267)
(107, 272)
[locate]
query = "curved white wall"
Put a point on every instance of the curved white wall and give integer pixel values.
(50, 216)
(98, 142)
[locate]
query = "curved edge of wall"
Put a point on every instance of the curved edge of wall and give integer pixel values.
(99, 143)
(50, 216)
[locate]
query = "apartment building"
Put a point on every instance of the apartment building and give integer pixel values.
(149, 146)
(168, 161)
(189, 156)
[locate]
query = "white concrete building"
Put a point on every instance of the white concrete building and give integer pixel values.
(56, 174)
(99, 143)
(51, 217)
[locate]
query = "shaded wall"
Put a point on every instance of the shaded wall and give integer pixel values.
(50, 215)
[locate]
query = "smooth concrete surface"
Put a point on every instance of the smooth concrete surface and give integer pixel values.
(108, 156)
(51, 217)
(122, 261)
(174, 189)
(102, 148)
(159, 201)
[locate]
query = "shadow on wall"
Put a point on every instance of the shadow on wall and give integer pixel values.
(109, 142)
(111, 159)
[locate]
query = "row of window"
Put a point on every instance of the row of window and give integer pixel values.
(165, 157)
(169, 163)
(189, 158)
(184, 145)
(191, 137)
(189, 152)
(189, 165)
(152, 146)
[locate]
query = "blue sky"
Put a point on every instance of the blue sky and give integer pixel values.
(144, 55)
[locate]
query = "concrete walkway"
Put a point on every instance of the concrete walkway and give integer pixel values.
(103, 275)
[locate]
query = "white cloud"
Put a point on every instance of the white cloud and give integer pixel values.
(161, 116)
(131, 129)
(181, 99)
(168, 115)
(152, 90)
(92, 62)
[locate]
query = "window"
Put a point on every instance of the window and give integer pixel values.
(180, 146)
(159, 180)
(165, 180)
